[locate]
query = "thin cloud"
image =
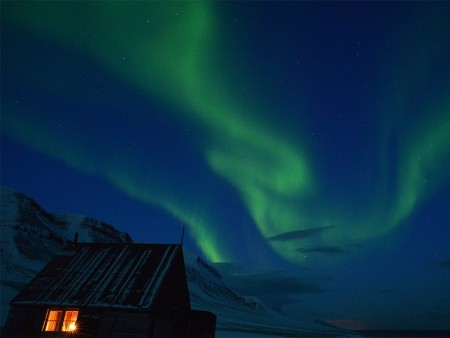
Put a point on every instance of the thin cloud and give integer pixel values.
(326, 250)
(275, 284)
(300, 234)
(444, 264)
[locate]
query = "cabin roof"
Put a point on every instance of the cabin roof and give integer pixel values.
(102, 275)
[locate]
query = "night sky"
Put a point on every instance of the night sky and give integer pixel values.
(305, 146)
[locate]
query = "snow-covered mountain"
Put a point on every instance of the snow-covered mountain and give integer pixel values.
(239, 316)
(30, 236)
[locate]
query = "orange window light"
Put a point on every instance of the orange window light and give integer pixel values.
(53, 320)
(70, 321)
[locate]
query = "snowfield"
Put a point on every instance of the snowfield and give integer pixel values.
(239, 316)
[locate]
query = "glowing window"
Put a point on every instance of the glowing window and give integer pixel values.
(53, 319)
(70, 321)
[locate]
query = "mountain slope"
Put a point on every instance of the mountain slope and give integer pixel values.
(30, 236)
(237, 315)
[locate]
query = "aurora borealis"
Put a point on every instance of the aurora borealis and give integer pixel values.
(309, 137)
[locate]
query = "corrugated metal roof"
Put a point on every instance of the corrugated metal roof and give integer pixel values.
(102, 275)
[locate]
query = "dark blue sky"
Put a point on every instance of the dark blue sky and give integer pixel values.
(304, 145)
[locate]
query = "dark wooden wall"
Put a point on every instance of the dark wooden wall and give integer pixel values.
(124, 324)
(174, 293)
(24, 321)
(202, 324)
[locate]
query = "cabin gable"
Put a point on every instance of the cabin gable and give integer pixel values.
(174, 292)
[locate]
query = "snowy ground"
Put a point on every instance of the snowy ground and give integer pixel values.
(239, 334)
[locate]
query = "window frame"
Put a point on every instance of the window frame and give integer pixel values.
(51, 323)
(60, 323)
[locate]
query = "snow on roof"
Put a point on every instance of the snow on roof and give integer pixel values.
(102, 275)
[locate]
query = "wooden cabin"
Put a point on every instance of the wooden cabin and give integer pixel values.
(110, 290)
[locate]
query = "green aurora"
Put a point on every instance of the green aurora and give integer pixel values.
(172, 52)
